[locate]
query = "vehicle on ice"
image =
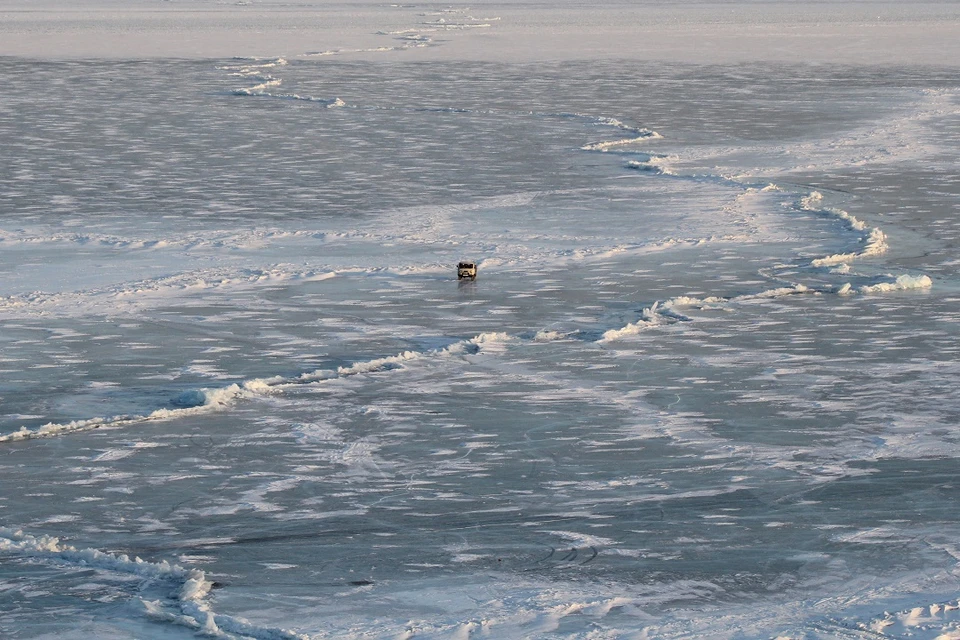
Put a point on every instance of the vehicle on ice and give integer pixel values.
(467, 270)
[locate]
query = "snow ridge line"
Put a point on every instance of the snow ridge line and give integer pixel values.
(665, 312)
(201, 401)
(657, 164)
(267, 82)
(874, 245)
(191, 585)
(638, 134)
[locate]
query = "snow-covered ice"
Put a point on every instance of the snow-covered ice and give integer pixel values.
(703, 386)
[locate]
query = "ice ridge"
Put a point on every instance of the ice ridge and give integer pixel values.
(191, 586)
(198, 401)
(655, 164)
(902, 283)
(636, 134)
(874, 245)
(666, 312)
(192, 402)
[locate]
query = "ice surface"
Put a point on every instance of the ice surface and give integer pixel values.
(702, 385)
(843, 31)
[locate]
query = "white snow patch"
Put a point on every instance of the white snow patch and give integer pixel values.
(902, 283)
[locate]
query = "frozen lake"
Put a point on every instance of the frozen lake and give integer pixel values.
(703, 386)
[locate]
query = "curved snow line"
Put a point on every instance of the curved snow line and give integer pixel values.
(256, 90)
(874, 245)
(656, 164)
(190, 596)
(464, 347)
(260, 91)
(655, 315)
(200, 401)
(640, 136)
(269, 82)
(48, 547)
(663, 312)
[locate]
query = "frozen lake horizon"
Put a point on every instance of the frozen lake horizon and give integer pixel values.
(703, 385)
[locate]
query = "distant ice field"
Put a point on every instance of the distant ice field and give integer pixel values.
(702, 387)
